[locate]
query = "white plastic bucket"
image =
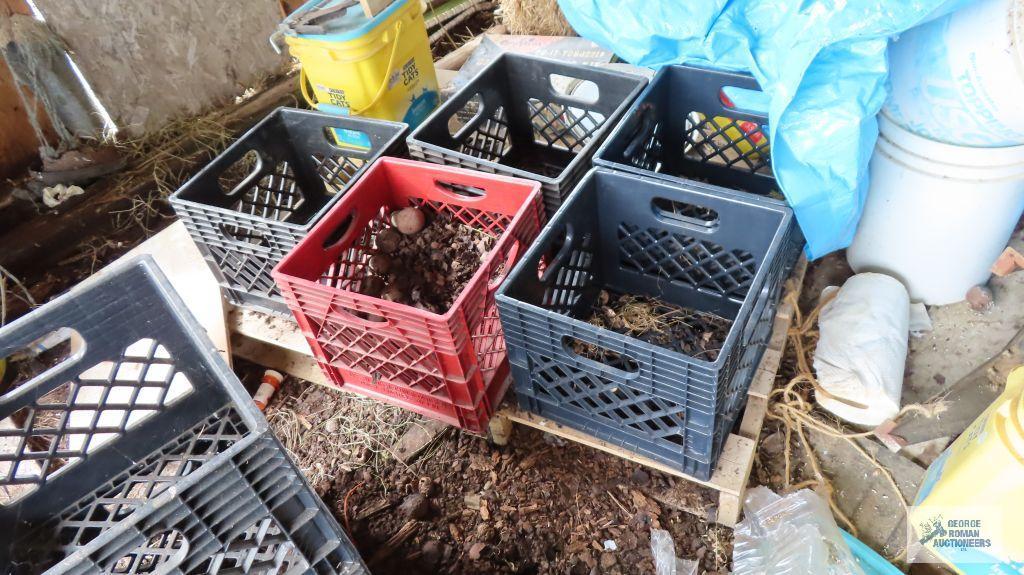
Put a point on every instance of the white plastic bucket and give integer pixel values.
(960, 79)
(937, 215)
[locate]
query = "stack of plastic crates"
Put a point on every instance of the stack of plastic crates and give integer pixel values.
(686, 244)
(449, 365)
(696, 124)
(253, 203)
(528, 117)
(138, 451)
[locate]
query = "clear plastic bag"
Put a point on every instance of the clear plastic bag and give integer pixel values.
(665, 561)
(791, 535)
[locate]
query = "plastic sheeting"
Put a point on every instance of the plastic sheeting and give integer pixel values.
(821, 62)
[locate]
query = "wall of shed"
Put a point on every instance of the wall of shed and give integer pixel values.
(150, 62)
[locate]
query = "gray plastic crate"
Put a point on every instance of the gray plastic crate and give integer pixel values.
(687, 244)
(101, 452)
(253, 203)
(528, 117)
(684, 126)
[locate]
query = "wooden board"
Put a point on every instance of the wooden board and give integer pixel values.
(287, 361)
(373, 7)
(729, 476)
(279, 331)
(188, 274)
(457, 57)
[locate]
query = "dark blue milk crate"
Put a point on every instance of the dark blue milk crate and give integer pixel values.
(687, 244)
(253, 203)
(698, 124)
(686, 126)
(135, 449)
(530, 118)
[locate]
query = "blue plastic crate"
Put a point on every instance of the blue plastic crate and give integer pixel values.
(687, 244)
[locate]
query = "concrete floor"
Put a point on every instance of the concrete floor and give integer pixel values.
(961, 340)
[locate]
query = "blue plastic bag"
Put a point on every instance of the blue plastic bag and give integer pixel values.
(821, 62)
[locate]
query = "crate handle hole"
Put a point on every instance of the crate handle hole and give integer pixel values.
(463, 191)
(601, 356)
(244, 235)
(464, 119)
(677, 212)
(576, 89)
(547, 269)
(242, 174)
(43, 356)
(341, 232)
(365, 319)
(160, 555)
(745, 100)
(500, 272)
(347, 139)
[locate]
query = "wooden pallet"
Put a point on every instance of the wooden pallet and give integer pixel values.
(277, 343)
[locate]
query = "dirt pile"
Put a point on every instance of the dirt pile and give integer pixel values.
(539, 505)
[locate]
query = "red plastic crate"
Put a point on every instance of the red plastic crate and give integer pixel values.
(452, 366)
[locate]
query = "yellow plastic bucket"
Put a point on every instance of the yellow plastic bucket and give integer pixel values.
(970, 509)
(377, 67)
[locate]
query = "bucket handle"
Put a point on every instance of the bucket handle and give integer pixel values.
(304, 80)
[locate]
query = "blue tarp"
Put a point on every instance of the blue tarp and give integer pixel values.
(821, 62)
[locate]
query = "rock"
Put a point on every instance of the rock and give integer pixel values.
(476, 551)
(408, 220)
(372, 286)
(425, 487)
(431, 554)
(608, 560)
(640, 477)
(388, 240)
(484, 532)
(392, 293)
(380, 263)
(979, 298)
(414, 506)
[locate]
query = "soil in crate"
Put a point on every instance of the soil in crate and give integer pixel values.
(697, 334)
(428, 268)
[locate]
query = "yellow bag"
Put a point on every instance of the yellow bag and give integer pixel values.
(970, 508)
